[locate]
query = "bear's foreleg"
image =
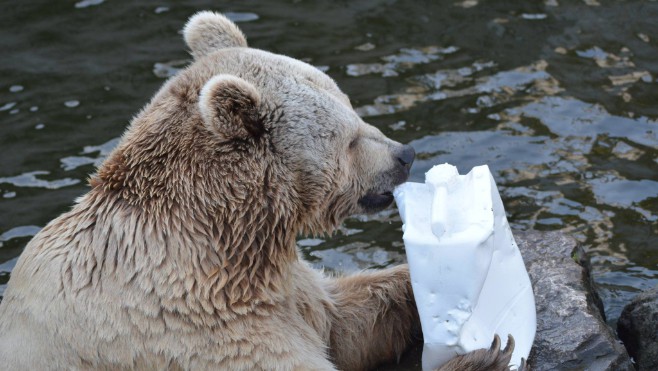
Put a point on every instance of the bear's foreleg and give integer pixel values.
(375, 318)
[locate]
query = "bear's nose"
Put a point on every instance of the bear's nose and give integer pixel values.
(406, 156)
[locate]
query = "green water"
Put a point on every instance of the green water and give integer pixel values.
(557, 97)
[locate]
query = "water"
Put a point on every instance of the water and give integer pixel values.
(558, 97)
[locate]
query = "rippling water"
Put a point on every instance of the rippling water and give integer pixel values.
(557, 97)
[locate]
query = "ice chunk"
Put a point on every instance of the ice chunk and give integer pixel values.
(467, 273)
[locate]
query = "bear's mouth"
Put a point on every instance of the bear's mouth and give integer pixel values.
(372, 202)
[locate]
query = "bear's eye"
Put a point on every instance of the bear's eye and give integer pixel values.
(354, 142)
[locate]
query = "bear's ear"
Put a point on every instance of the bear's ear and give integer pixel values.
(229, 107)
(207, 32)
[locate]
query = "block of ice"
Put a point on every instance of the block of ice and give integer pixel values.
(467, 273)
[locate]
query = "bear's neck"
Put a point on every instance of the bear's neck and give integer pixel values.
(228, 258)
(218, 224)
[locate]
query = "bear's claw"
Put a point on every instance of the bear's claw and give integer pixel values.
(492, 359)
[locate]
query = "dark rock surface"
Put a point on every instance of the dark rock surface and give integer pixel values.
(571, 331)
(638, 329)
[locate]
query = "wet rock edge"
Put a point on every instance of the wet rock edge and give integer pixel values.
(638, 328)
(571, 328)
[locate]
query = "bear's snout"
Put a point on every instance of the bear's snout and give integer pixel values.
(381, 196)
(406, 157)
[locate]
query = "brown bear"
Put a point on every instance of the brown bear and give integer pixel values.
(182, 255)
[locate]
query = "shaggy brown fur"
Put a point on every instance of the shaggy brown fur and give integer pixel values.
(182, 255)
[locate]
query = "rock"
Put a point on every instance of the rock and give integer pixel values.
(638, 329)
(571, 330)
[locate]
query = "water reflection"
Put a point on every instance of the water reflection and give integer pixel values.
(465, 81)
(102, 150)
(395, 64)
(31, 180)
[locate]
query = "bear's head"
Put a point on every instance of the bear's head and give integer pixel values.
(243, 134)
